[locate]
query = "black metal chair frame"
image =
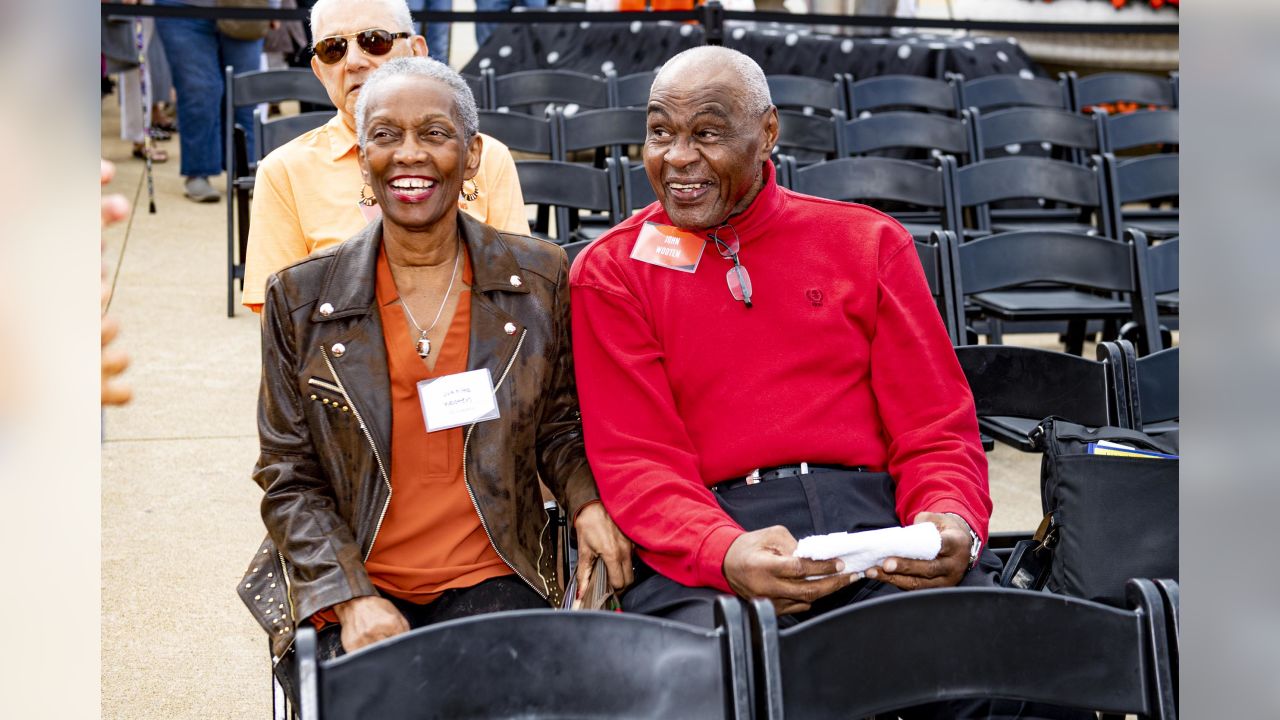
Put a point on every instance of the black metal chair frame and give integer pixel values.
(994, 92)
(1080, 136)
(1110, 87)
(863, 179)
(1140, 129)
(896, 130)
(978, 185)
(901, 92)
(608, 131)
(797, 92)
(1014, 644)
(568, 186)
(240, 161)
(537, 663)
(527, 88)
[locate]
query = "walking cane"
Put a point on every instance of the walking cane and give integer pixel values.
(146, 112)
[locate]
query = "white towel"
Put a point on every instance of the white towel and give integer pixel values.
(863, 550)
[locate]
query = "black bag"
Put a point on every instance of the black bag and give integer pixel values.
(1107, 518)
(244, 29)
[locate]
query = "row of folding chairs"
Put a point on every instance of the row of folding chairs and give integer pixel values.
(853, 662)
(841, 92)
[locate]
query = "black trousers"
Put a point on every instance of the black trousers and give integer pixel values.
(817, 504)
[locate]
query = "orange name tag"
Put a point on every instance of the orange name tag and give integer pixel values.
(669, 247)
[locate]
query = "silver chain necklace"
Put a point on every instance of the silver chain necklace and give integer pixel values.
(423, 346)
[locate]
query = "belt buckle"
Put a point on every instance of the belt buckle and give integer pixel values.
(753, 477)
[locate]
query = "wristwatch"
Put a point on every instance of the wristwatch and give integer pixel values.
(975, 546)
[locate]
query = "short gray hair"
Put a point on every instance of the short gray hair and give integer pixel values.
(424, 67)
(399, 10)
(754, 86)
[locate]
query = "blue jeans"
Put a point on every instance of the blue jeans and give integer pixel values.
(197, 53)
(437, 34)
(484, 30)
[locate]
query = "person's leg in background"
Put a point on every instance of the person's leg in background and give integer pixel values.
(191, 45)
(484, 30)
(438, 33)
(242, 56)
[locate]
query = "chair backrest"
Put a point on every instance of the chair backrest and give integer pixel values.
(525, 133)
(637, 192)
(609, 130)
(1150, 177)
(560, 87)
(935, 260)
(1161, 272)
(569, 187)
(1024, 382)
(973, 643)
(979, 184)
(633, 90)
(270, 86)
(873, 179)
(537, 663)
(278, 131)
(479, 85)
(1152, 385)
(1138, 129)
(573, 249)
(1120, 87)
(901, 92)
(807, 94)
(905, 130)
(813, 136)
(994, 92)
(1077, 137)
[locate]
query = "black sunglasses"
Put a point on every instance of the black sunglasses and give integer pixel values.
(374, 42)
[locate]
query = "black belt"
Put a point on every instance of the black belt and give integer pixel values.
(782, 471)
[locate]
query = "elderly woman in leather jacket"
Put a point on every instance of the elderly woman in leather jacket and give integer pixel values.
(417, 382)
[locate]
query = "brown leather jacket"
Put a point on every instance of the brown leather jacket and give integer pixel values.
(323, 465)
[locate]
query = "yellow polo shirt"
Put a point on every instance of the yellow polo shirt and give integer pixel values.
(305, 199)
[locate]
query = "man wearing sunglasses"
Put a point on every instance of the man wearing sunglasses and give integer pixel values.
(755, 366)
(308, 194)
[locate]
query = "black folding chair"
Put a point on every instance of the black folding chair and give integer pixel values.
(1115, 87)
(1144, 128)
(1014, 388)
(923, 135)
(479, 85)
(935, 260)
(884, 93)
(876, 180)
(535, 135)
(607, 131)
(537, 664)
(569, 188)
(278, 131)
(965, 644)
(809, 138)
(994, 92)
(531, 90)
(1152, 387)
(1062, 186)
(808, 95)
(1003, 277)
(1149, 179)
(1060, 134)
(249, 89)
(573, 249)
(633, 90)
(637, 192)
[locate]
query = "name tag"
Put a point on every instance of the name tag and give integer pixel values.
(669, 247)
(458, 399)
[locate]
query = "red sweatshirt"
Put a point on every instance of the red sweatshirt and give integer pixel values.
(843, 359)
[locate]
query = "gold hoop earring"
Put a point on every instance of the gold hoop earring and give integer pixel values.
(475, 190)
(367, 200)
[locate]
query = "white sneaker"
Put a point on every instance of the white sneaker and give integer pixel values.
(199, 190)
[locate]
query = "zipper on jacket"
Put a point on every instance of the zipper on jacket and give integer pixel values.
(325, 385)
(466, 480)
(365, 429)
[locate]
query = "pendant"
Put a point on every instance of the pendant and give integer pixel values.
(423, 346)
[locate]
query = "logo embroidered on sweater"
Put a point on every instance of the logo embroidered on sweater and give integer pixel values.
(815, 297)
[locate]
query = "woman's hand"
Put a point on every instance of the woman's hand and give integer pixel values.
(366, 620)
(598, 536)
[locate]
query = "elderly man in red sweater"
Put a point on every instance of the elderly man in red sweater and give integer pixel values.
(755, 366)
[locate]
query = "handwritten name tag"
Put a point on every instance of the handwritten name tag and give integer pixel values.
(458, 399)
(669, 247)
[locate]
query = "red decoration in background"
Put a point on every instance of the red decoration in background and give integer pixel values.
(1155, 4)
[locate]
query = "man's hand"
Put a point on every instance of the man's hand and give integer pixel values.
(599, 536)
(944, 571)
(759, 564)
(366, 620)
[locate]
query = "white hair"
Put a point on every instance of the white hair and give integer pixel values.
(399, 10)
(755, 88)
(463, 101)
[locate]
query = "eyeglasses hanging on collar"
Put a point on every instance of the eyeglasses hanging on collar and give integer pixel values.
(738, 278)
